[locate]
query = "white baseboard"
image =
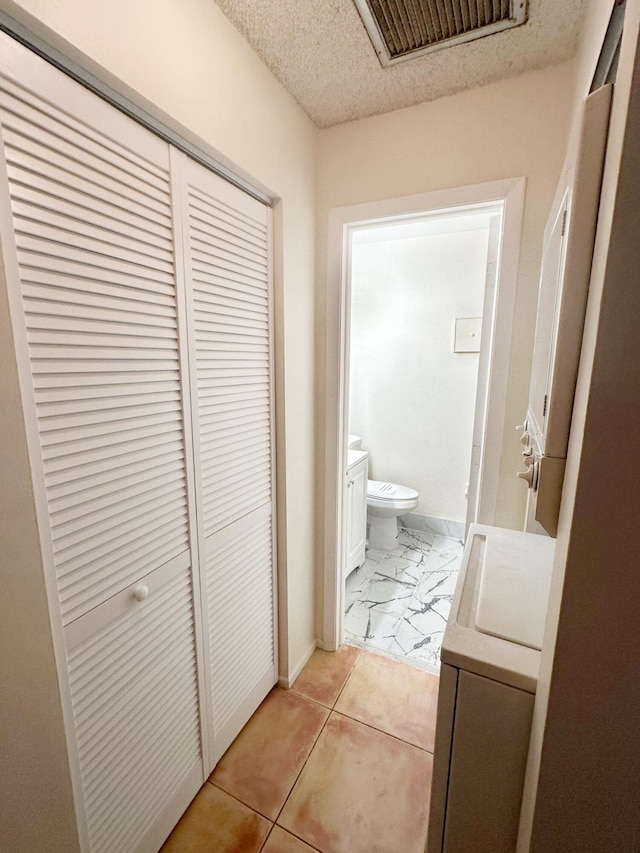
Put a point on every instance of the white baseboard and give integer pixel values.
(326, 647)
(430, 524)
(287, 680)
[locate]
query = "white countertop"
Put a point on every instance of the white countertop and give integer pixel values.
(497, 617)
(355, 456)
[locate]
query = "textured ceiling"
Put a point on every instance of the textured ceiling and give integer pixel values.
(321, 53)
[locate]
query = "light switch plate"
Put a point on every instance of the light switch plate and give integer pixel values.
(467, 334)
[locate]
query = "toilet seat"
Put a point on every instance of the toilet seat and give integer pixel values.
(383, 494)
(390, 491)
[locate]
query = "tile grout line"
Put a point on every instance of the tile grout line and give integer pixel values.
(251, 809)
(414, 662)
(293, 834)
(317, 704)
(273, 820)
(289, 832)
(331, 710)
(381, 731)
(268, 836)
(349, 674)
(268, 819)
(304, 764)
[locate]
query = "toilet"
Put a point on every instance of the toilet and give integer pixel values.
(386, 502)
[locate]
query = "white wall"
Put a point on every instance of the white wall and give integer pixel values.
(514, 128)
(185, 61)
(582, 788)
(411, 397)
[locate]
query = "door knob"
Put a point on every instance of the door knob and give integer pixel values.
(141, 592)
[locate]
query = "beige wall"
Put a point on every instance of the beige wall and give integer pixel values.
(505, 130)
(187, 60)
(582, 788)
(183, 59)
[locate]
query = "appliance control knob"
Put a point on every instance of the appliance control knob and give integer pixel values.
(530, 475)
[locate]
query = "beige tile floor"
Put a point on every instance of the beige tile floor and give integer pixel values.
(341, 763)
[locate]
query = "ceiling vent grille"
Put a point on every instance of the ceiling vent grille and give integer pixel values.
(403, 29)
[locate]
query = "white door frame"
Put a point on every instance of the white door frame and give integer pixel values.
(511, 192)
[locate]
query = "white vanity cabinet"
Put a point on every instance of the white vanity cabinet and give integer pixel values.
(356, 504)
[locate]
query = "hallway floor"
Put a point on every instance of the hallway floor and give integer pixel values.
(341, 763)
(398, 601)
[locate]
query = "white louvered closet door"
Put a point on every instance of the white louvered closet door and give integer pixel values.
(93, 272)
(227, 264)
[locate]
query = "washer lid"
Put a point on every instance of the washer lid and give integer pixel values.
(390, 491)
(514, 588)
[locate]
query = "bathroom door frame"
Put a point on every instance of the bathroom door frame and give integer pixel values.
(510, 192)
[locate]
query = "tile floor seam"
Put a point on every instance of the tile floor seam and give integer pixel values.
(366, 646)
(264, 843)
(242, 802)
(382, 731)
(309, 791)
(299, 837)
(313, 746)
(331, 707)
(353, 666)
(309, 699)
(292, 834)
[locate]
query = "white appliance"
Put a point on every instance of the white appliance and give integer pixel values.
(490, 661)
(562, 299)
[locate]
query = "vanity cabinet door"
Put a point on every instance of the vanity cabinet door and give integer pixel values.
(357, 477)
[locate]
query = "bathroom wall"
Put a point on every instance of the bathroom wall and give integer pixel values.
(411, 397)
(514, 128)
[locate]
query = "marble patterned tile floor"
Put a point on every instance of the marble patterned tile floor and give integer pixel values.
(341, 763)
(398, 601)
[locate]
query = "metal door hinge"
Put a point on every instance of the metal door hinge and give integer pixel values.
(544, 405)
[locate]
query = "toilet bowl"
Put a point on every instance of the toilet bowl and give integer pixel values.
(386, 502)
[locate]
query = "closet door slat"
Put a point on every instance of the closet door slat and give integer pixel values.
(100, 305)
(135, 695)
(229, 233)
(227, 268)
(239, 579)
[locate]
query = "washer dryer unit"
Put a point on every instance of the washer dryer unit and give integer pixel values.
(490, 661)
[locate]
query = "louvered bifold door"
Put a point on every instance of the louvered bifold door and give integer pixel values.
(93, 270)
(227, 269)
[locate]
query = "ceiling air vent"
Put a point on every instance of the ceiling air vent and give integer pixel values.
(402, 29)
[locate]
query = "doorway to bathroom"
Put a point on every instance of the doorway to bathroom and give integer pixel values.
(414, 284)
(418, 289)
